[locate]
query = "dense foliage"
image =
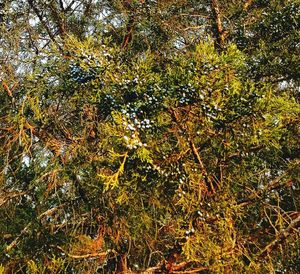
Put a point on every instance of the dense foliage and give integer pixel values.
(149, 137)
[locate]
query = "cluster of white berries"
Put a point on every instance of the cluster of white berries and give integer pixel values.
(87, 66)
(109, 101)
(152, 101)
(135, 80)
(133, 142)
(181, 193)
(187, 94)
(80, 75)
(207, 68)
(189, 233)
(202, 216)
(131, 138)
(133, 123)
(211, 111)
(176, 174)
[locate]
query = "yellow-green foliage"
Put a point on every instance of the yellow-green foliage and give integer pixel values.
(133, 158)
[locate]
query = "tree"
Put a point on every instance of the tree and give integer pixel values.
(134, 142)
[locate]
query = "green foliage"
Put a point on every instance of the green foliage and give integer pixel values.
(152, 156)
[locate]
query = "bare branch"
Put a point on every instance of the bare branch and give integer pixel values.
(207, 179)
(15, 242)
(58, 16)
(195, 153)
(68, 8)
(281, 236)
(85, 256)
(192, 271)
(176, 268)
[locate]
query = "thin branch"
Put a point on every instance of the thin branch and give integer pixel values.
(196, 154)
(192, 271)
(25, 230)
(193, 15)
(176, 268)
(129, 32)
(70, 6)
(7, 196)
(37, 12)
(59, 20)
(85, 256)
(8, 89)
(273, 184)
(61, 4)
(199, 160)
(281, 236)
(191, 28)
(15, 242)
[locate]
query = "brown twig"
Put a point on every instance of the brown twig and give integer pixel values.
(196, 270)
(59, 20)
(176, 268)
(7, 196)
(207, 179)
(8, 89)
(25, 230)
(195, 153)
(85, 256)
(15, 242)
(280, 237)
(129, 32)
(273, 184)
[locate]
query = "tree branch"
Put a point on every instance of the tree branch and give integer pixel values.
(61, 4)
(176, 268)
(37, 12)
(15, 242)
(273, 184)
(281, 236)
(129, 32)
(68, 8)
(59, 20)
(7, 196)
(202, 168)
(219, 32)
(85, 256)
(192, 271)
(25, 230)
(193, 148)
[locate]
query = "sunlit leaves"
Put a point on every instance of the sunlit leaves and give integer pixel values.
(152, 155)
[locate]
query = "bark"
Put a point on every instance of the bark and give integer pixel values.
(218, 31)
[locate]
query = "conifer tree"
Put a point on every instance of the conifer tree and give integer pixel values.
(149, 136)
